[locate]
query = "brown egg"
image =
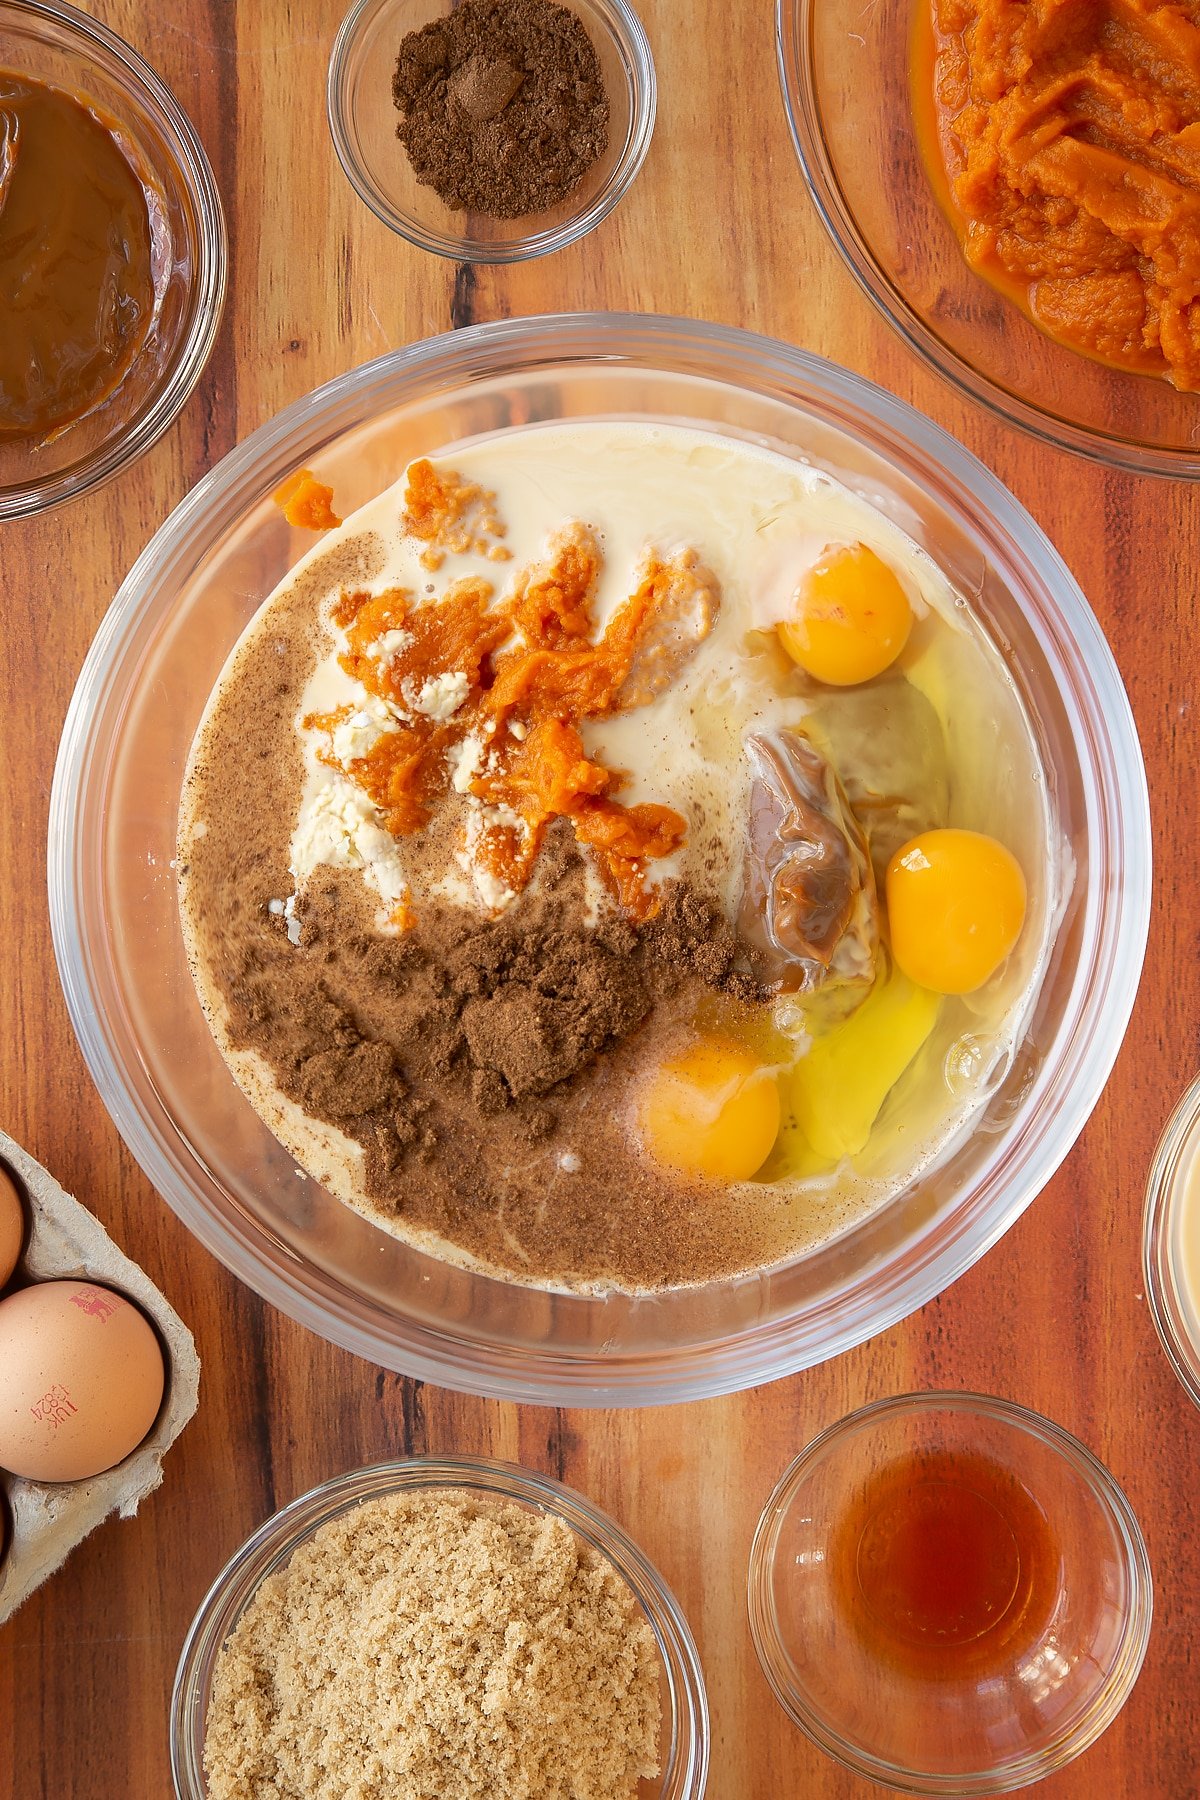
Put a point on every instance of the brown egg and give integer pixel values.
(12, 1225)
(81, 1380)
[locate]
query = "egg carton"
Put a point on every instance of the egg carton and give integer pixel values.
(48, 1519)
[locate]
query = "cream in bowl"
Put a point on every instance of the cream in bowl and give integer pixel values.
(615, 857)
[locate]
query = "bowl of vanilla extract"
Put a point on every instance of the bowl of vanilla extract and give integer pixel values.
(949, 1594)
(112, 256)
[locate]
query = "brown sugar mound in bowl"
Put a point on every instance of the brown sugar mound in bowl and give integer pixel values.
(504, 106)
(438, 1644)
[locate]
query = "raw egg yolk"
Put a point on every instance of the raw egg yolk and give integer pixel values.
(852, 617)
(711, 1111)
(956, 905)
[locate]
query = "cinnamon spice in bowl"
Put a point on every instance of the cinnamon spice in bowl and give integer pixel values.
(491, 133)
(503, 108)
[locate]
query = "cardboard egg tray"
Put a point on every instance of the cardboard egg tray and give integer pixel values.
(49, 1519)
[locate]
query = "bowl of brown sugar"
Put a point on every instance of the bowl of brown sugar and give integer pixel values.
(439, 1626)
(496, 131)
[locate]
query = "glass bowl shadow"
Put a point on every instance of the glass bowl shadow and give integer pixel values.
(983, 1729)
(684, 1751)
(363, 119)
(1164, 1221)
(115, 915)
(845, 74)
(54, 43)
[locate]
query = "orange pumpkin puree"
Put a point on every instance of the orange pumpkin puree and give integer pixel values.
(534, 672)
(451, 516)
(306, 502)
(1069, 134)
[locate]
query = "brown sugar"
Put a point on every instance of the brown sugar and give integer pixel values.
(468, 1046)
(440, 1644)
(526, 1000)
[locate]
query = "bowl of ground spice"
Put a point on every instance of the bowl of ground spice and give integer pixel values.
(496, 131)
(453, 1627)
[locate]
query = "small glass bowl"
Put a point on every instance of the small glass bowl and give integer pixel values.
(982, 1733)
(1175, 1309)
(363, 120)
(845, 72)
(53, 43)
(685, 1733)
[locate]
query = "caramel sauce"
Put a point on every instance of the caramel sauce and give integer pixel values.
(945, 1566)
(77, 290)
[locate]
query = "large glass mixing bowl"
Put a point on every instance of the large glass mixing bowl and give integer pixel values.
(120, 950)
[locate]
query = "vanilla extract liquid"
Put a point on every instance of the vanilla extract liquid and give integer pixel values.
(945, 1565)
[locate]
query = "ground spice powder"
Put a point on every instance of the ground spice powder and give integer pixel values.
(504, 106)
(442, 1645)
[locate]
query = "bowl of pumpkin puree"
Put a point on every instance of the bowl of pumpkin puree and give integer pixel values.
(1017, 188)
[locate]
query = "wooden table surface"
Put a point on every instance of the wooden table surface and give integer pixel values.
(718, 226)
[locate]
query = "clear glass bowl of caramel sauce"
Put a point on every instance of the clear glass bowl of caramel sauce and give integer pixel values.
(949, 1594)
(116, 301)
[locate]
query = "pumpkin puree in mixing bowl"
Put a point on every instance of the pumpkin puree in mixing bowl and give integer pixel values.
(1064, 141)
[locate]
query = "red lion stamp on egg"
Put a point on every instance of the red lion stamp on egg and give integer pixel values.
(96, 1303)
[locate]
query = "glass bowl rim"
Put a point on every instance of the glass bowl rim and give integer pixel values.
(1180, 1134)
(125, 66)
(1101, 1484)
(629, 33)
(761, 366)
(794, 64)
(273, 1542)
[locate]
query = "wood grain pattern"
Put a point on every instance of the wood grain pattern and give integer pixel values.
(718, 226)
